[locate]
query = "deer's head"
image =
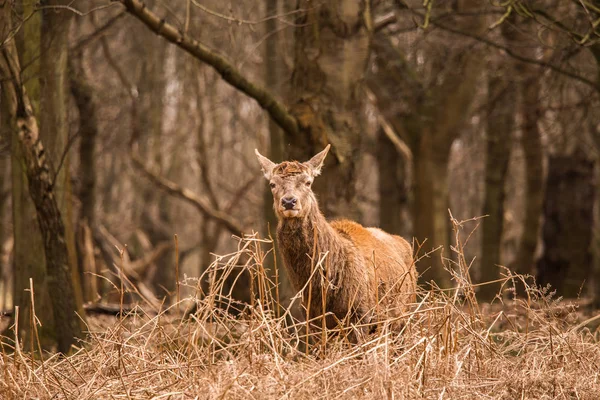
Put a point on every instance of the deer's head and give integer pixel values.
(291, 183)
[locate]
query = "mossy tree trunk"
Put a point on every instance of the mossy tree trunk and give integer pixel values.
(29, 260)
(41, 184)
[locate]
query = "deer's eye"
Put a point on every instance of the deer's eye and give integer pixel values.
(272, 185)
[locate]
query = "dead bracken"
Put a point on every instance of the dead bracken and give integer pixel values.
(532, 348)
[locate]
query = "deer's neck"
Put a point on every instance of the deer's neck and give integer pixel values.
(297, 238)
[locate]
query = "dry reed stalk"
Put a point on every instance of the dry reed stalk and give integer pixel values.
(16, 333)
(261, 275)
(324, 286)
(35, 335)
(178, 296)
(5, 360)
(31, 336)
(310, 286)
(121, 278)
(275, 266)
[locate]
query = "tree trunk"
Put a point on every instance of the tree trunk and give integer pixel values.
(566, 263)
(83, 95)
(149, 111)
(502, 98)
(41, 187)
(54, 122)
(5, 274)
(534, 193)
(156, 214)
(29, 260)
(596, 237)
(273, 82)
(393, 193)
(594, 128)
(430, 207)
(332, 43)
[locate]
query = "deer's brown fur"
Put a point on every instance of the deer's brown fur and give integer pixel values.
(367, 269)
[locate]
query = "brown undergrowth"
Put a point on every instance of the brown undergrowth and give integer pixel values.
(448, 346)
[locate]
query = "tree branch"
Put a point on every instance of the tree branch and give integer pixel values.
(99, 32)
(187, 195)
(507, 50)
(518, 57)
(277, 111)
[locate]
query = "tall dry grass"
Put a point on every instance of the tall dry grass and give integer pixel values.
(448, 347)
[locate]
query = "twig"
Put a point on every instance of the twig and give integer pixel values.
(187, 195)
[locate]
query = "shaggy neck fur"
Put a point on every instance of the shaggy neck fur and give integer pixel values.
(296, 241)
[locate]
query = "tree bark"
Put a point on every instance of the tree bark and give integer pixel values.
(596, 237)
(566, 263)
(594, 127)
(5, 273)
(29, 260)
(534, 193)
(502, 109)
(54, 123)
(430, 207)
(151, 114)
(393, 191)
(332, 47)
(273, 82)
(502, 98)
(83, 94)
(41, 188)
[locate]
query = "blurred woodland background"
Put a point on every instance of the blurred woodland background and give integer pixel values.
(149, 114)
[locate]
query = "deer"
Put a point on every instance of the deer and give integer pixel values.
(366, 270)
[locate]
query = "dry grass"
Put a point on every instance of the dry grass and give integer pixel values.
(449, 347)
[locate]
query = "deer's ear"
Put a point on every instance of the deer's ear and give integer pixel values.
(266, 165)
(316, 162)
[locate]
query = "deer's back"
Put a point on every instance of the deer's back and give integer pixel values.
(387, 258)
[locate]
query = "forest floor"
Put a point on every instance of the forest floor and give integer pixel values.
(449, 346)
